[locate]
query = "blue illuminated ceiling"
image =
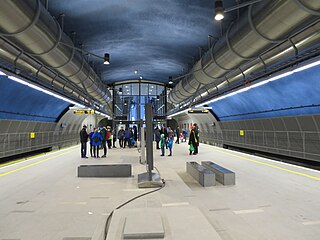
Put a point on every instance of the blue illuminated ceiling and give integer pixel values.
(20, 102)
(296, 94)
(157, 38)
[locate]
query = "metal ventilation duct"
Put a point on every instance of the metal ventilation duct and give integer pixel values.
(30, 27)
(267, 24)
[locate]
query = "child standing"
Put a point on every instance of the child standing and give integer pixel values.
(162, 144)
(170, 144)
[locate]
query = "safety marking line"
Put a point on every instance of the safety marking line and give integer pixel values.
(107, 183)
(10, 163)
(134, 190)
(219, 209)
(246, 211)
(271, 165)
(311, 223)
(75, 203)
(175, 204)
(33, 164)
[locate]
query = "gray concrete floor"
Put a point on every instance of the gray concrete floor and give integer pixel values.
(43, 199)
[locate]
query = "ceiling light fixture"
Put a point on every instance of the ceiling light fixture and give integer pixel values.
(219, 10)
(267, 80)
(218, 7)
(170, 80)
(106, 59)
(21, 81)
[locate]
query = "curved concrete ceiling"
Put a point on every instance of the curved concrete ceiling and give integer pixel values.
(157, 38)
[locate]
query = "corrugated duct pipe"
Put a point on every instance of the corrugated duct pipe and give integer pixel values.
(28, 25)
(267, 23)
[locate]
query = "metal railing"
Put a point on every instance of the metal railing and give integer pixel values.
(16, 143)
(303, 144)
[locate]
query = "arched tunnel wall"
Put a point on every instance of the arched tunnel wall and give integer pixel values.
(294, 136)
(15, 134)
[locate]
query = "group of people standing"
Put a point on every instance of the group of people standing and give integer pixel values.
(98, 138)
(164, 138)
(104, 138)
(128, 136)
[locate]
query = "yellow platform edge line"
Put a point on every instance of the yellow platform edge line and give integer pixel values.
(33, 164)
(269, 165)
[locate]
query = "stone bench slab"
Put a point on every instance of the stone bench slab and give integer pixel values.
(204, 176)
(223, 175)
(109, 170)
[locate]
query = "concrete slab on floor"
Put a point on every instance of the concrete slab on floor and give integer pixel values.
(179, 223)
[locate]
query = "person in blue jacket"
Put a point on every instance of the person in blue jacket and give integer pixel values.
(96, 141)
(170, 145)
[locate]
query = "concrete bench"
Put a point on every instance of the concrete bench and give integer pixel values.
(204, 176)
(223, 175)
(109, 170)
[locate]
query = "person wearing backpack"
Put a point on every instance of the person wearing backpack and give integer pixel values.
(96, 141)
(103, 132)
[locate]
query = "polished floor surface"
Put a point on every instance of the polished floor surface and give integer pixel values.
(43, 199)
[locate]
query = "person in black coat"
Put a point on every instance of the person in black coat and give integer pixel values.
(194, 140)
(83, 140)
(178, 134)
(157, 136)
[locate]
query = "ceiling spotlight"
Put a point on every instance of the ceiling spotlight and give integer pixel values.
(140, 77)
(219, 11)
(106, 58)
(170, 80)
(135, 72)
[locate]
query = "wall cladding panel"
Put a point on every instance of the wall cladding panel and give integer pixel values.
(258, 138)
(278, 124)
(267, 124)
(296, 141)
(281, 140)
(312, 141)
(307, 123)
(317, 121)
(292, 124)
(257, 124)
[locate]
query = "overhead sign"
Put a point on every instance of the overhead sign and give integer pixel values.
(198, 111)
(241, 132)
(32, 135)
(83, 111)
